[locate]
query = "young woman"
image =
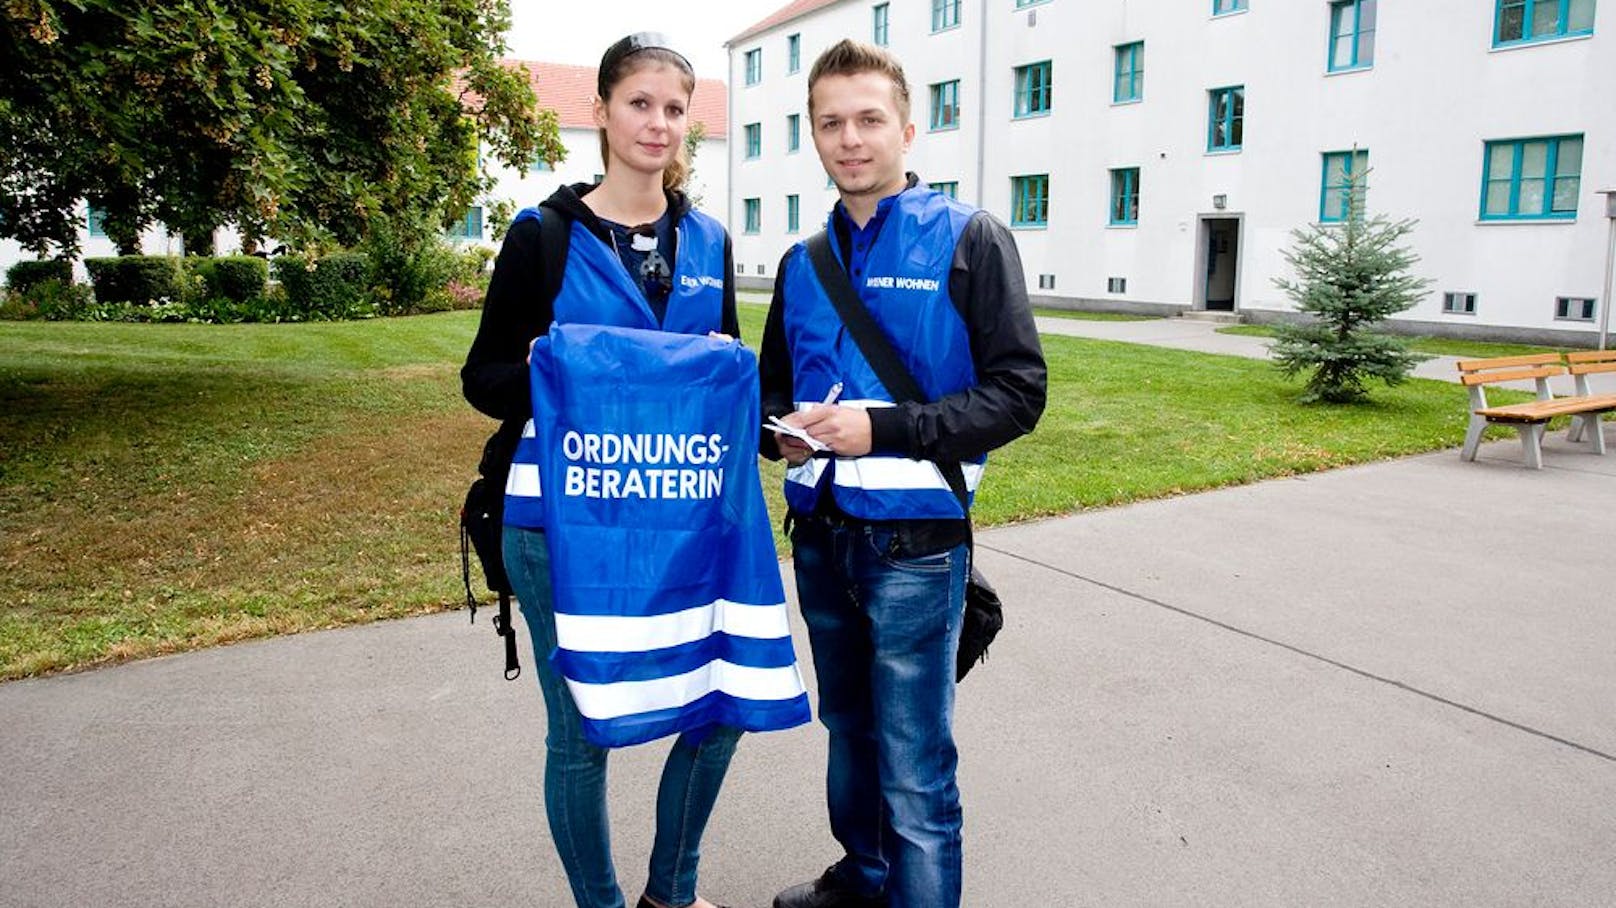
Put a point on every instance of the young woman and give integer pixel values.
(680, 261)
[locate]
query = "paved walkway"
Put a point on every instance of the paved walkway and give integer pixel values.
(1202, 337)
(1385, 685)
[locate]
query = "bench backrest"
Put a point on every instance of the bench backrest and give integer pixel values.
(1510, 368)
(1587, 362)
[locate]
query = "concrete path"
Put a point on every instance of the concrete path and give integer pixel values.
(1202, 337)
(1386, 685)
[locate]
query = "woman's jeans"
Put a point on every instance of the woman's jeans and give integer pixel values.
(884, 628)
(575, 770)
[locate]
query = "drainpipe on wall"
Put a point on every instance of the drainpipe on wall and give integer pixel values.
(1610, 260)
(982, 108)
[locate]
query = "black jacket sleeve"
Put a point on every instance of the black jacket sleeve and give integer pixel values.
(774, 363)
(731, 319)
(515, 311)
(988, 289)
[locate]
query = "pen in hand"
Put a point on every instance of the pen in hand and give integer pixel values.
(831, 395)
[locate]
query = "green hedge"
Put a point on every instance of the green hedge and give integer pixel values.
(236, 278)
(335, 286)
(24, 276)
(135, 278)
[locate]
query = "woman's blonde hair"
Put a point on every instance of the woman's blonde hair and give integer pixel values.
(678, 170)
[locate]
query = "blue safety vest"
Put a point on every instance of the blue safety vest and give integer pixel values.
(596, 289)
(670, 614)
(905, 286)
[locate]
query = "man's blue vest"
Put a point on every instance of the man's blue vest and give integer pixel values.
(905, 286)
(596, 289)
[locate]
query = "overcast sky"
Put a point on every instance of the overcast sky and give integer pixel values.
(579, 31)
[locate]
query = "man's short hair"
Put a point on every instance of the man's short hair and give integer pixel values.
(849, 58)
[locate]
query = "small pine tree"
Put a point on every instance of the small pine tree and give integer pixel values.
(1349, 277)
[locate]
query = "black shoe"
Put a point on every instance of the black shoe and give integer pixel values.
(646, 903)
(826, 892)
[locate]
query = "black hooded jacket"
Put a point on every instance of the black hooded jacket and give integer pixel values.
(520, 307)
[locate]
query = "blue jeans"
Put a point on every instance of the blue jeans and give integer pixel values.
(884, 630)
(575, 770)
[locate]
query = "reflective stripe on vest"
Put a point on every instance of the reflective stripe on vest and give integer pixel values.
(905, 287)
(596, 289)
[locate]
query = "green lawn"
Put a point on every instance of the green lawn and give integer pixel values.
(1084, 316)
(1436, 346)
(165, 487)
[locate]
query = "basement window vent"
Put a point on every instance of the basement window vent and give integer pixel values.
(740, 268)
(1046, 282)
(1459, 303)
(1116, 285)
(760, 269)
(1575, 308)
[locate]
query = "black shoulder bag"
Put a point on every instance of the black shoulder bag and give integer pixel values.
(984, 613)
(482, 517)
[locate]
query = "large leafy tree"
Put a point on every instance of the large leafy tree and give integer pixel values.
(306, 120)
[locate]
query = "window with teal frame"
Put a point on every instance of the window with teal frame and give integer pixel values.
(945, 109)
(1525, 21)
(754, 215)
(754, 66)
(1532, 178)
(469, 227)
(1226, 115)
(1022, 4)
(1344, 188)
(944, 14)
(949, 188)
(1223, 7)
(1029, 201)
(878, 30)
(793, 53)
(793, 132)
(1125, 196)
(540, 165)
(95, 221)
(1129, 77)
(1352, 34)
(1033, 89)
(754, 140)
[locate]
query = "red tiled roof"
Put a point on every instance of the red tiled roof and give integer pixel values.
(782, 15)
(570, 92)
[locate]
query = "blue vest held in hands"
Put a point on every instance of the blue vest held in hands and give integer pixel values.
(597, 290)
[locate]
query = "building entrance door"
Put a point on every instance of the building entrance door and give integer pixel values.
(1220, 256)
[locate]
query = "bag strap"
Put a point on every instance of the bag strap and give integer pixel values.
(877, 348)
(554, 233)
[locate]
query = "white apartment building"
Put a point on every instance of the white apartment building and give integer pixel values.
(1154, 156)
(567, 90)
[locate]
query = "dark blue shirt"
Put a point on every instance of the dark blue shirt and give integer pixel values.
(655, 282)
(855, 241)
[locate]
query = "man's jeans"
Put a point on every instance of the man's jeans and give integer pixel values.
(884, 629)
(575, 770)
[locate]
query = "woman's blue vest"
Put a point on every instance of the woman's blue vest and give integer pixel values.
(597, 289)
(905, 286)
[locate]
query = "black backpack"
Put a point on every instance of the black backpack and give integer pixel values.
(482, 517)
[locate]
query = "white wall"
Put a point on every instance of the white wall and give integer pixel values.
(1436, 92)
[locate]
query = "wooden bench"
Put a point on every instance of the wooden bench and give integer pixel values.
(1531, 419)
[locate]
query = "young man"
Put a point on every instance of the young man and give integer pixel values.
(879, 538)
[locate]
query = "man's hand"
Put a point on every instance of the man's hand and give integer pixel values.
(795, 451)
(845, 429)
